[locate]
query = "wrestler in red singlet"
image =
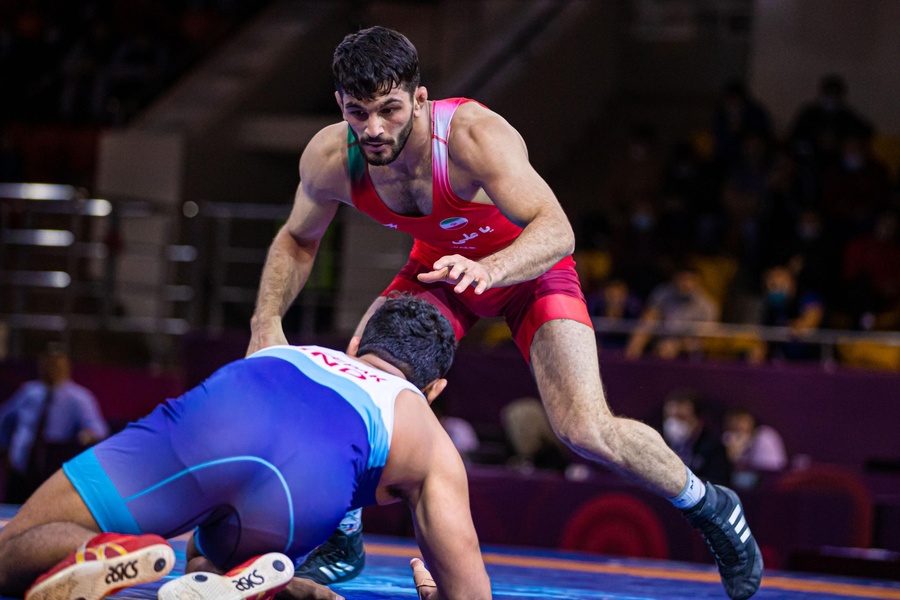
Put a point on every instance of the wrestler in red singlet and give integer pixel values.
(473, 230)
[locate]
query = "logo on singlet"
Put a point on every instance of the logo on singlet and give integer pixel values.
(454, 223)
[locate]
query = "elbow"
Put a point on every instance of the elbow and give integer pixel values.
(567, 241)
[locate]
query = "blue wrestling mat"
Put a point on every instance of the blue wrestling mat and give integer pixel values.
(520, 574)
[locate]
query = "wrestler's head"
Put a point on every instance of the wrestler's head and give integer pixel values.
(371, 62)
(412, 335)
(376, 74)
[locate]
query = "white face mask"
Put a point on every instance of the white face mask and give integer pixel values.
(676, 431)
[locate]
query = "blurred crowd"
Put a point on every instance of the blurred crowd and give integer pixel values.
(797, 230)
(68, 69)
(99, 61)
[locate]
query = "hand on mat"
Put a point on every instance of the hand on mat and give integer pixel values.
(424, 583)
(460, 271)
(304, 589)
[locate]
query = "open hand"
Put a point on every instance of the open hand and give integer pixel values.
(425, 585)
(460, 271)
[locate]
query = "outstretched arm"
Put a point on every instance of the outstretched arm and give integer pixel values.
(445, 532)
(293, 251)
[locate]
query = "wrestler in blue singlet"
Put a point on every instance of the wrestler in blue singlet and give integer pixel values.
(277, 446)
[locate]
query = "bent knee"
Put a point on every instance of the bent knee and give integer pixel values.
(592, 438)
(11, 583)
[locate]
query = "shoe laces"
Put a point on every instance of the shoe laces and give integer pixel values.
(720, 543)
(334, 550)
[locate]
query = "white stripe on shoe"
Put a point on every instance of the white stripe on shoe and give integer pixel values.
(741, 529)
(740, 526)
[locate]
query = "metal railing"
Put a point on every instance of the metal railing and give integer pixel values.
(827, 339)
(58, 250)
(68, 259)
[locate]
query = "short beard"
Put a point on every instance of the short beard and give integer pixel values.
(396, 147)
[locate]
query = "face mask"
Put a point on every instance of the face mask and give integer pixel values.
(676, 431)
(853, 162)
(777, 298)
(642, 221)
(808, 231)
(829, 103)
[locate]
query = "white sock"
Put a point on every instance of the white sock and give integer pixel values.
(352, 521)
(692, 494)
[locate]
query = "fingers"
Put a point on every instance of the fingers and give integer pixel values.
(425, 585)
(459, 271)
(309, 590)
(434, 276)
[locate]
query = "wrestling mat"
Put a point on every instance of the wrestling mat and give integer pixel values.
(520, 574)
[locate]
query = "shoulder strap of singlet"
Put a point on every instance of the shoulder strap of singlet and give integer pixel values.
(441, 115)
(355, 161)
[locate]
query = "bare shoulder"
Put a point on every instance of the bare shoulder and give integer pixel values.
(323, 164)
(475, 126)
(482, 139)
(416, 442)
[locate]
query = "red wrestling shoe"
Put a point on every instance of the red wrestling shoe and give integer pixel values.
(260, 578)
(105, 564)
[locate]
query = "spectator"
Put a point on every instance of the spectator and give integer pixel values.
(461, 432)
(614, 300)
(687, 433)
(46, 422)
(743, 199)
(533, 441)
(784, 305)
(679, 306)
(856, 189)
(813, 252)
(822, 124)
(633, 178)
(781, 208)
(737, 115)
(871, 275)
(751, 446)
(690, 217)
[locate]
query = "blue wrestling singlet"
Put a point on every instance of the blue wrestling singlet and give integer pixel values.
(268, 454)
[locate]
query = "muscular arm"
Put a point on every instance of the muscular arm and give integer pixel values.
(445, 531)
(492, 153)
(293, 251)
(425, 470)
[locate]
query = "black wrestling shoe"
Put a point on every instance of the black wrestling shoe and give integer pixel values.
(341, 558)
(720, 518)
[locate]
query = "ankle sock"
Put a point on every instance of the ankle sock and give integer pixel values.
(694, 491)
(352, 522)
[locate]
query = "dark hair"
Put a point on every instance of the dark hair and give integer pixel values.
(412, 335)
(372, 61)
(688, 396)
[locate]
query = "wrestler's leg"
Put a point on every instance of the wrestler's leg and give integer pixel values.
(565, 363)
(51, 524)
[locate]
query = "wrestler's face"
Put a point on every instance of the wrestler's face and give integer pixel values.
(384, 123)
